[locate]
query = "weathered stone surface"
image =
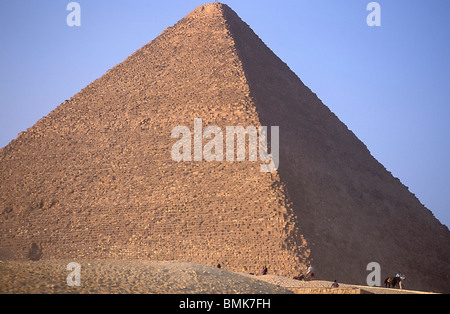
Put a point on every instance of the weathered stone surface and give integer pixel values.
(95, 178)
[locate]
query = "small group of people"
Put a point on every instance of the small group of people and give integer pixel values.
(309, 274)
(264, 271)
(399, 277)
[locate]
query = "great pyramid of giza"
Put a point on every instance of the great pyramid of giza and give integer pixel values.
(95, 179)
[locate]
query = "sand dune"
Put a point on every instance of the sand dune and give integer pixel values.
(123, 277)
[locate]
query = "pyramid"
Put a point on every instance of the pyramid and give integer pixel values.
(96, 178)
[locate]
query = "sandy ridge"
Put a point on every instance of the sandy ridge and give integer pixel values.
(128, 277)
(145, 277)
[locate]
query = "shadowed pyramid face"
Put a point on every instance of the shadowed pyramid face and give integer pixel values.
(97, 178)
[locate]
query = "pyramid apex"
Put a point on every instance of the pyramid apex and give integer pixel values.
(213, 8)
(213, 5)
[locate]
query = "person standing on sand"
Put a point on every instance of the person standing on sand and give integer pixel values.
(310, 272)
(400, 279)
(335, 284)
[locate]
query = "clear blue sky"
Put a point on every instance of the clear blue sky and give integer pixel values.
(390, 85)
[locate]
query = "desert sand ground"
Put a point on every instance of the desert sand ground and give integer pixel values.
(145, 277)
(123, 277)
